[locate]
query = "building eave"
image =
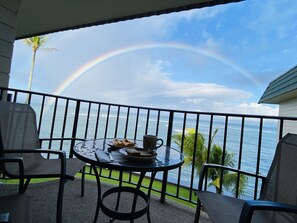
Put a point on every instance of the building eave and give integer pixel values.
(42, 17)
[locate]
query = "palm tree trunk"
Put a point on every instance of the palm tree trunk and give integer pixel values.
(217, 190)
(31, 74)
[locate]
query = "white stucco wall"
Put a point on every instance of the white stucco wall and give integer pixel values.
(289, 108)
(8, 17)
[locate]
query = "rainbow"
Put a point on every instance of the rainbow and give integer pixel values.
(110, 55)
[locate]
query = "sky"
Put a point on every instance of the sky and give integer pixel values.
(215, 59)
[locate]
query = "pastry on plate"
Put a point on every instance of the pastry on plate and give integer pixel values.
(128, 143)
(118, 143)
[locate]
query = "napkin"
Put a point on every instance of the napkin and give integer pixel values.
(102, 156)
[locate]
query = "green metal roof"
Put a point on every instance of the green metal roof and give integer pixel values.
(282, 88)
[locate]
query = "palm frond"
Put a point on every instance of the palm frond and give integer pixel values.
(48, 49)
(28, 42)
(196, 152)
(36, 42)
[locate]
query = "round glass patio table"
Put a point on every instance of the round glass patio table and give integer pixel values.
(95, 151)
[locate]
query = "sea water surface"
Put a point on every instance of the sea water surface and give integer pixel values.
(250, 148)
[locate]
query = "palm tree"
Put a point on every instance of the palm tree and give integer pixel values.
(215, 156)
(36, 43)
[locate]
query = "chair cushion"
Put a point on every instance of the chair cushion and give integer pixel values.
(18, 206)
(221, 208)
(34, 167)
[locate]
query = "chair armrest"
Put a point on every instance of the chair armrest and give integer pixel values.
(48, 151)
(252, 205)
(206, 166)
(18, 160)
(4, 218)
(62, 155)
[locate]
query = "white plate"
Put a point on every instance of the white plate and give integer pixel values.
(137, 158)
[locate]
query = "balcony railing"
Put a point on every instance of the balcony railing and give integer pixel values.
(252, 138)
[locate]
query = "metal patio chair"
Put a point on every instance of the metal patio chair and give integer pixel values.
(16, 208)
(278, 197)
(19, 138)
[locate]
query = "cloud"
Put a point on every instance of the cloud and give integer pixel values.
(148, 83)
(166, 25)
(268, 23)
(254, 108)
(287, 51)
(196, 101)
(201, 14)
(205, 90)
(247, 108)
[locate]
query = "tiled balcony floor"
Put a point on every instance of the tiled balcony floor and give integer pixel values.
(82, 209)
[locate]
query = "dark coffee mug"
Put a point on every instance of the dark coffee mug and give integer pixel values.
(150, 142)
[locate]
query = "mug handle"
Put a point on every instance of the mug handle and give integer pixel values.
(160, 144)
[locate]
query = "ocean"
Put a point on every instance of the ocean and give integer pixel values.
(124, 123)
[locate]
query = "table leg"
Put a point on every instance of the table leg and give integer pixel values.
(99, 193)
(149, 194)
(119, 195)
(141, 176)
(164, 185)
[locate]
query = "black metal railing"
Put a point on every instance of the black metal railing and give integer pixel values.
(251, 138)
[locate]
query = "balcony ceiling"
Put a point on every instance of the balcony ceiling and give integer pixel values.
(38, 17)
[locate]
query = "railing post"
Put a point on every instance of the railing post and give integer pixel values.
(281, 128)
(168, 143)
(74, 129)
